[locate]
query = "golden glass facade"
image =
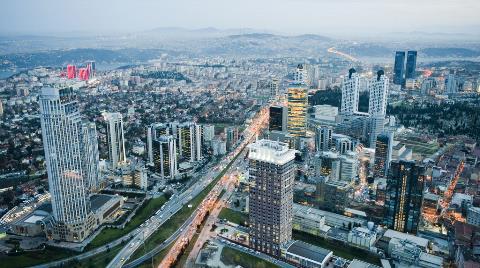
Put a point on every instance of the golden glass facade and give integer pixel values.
(297, 109)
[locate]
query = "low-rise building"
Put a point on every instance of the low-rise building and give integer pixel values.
(305, 255)
(362, 237)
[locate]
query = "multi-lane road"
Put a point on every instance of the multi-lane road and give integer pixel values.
(176, 202)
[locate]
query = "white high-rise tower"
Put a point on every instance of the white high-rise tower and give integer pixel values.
(377, 107)
(64, 142)
(350, 88)
(116, 141)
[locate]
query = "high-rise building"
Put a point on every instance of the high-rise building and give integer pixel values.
(272, 170)
(297, 109)
(451, 86)
(165, 157)
(208, 133)
(300, 75)
(410, 69)
(231, 134)
(399, 68)
(1, 108)
(189, 141)
(327, 164)
(154, 131)
(377, 107)
(404, 195)
(348, 166)
(343, 143)
(378, 88)
(278, 118)
(383, 155)
(64, 132)
(91, 156)
(350, 89)
(115, 139)
(323, 138)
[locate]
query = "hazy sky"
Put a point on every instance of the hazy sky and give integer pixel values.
(287, 16)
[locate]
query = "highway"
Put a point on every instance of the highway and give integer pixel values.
(176, 203)
(171, 207)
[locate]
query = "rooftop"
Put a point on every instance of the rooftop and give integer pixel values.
(98, 200)
(311, 252)
(269, 151)
(403, 236)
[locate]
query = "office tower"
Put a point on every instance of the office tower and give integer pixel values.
(272, 170)
(231, 134)
(348, 166)
(208, 133)
(297, 109)
(377, 107)
(92, 159)
(410, 69)
(350, 89)
(451, 83)
(165, 157)
(189, 141)
(404, 194)
(323, 138)
(332, 195)
(115, 139)
(71, 71)
(278, 118)
(300, 75)
(378, 88)
(91, 68)
(63, 141)
(1, 108)
(154, 131)
(399, 68)
(327, 164)
(383, 155)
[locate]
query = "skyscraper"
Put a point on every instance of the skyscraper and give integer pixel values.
(64, 141)
(165, 156)
(399, 68)
(410, 69)
(404, 196)
(297, 109)
(189, 141)
(278, 118)
(350, 89)
(231, 134)
(383, 155)
(91, 156)
(300, 75)
(154, 131)
(115, 139)
(348, 166)
(323, 138)
(451, 83)
(271, 197)
(377, 107)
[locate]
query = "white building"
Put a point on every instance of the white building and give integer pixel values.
(377, 107)
(92, 157)
(350, 89)
(348, 166)
(301, 74)
(362, 237)
(115, 139)
(64, 140)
